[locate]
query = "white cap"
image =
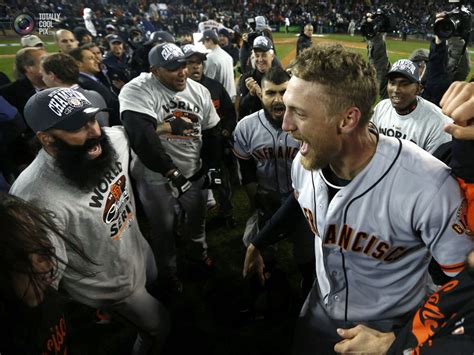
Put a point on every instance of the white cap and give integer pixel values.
(31, 41)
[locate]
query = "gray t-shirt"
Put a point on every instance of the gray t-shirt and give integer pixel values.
(103, 219)
(146, 94)
(423, 126)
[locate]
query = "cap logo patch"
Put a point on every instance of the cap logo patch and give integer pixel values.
(261, 41)
(170, 52)
(63, 102)
(404, 65)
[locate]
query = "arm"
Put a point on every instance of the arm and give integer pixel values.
(362, 339)
(436, 77)
(227, 114)
(269, 234)
(145, 142)
(458, 103)
(211, 152)
(377, 53)
(249, 99)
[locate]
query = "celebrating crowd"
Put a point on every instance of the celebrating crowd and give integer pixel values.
(376, 198)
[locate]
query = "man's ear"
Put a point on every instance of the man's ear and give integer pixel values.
(45, 138)
(419, 89)
(350, 120)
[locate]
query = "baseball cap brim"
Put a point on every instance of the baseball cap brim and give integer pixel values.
(404, 74)
(79, 119)
(175, 64)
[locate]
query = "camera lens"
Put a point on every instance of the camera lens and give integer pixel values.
(444, 28)
(23, 24)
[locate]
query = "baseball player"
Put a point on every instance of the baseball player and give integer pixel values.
(405, 114)
(171, 123)
(380, 209)
(265, 153)
(82, 176)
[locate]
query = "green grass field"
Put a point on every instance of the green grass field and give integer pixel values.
(284, 43)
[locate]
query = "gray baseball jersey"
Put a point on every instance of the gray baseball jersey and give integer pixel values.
(423, 126)
(375, 238)
(271, 148)
(146, 94)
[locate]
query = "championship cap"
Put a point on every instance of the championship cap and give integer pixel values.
(406, 68)
(166, 55)
(31, 41)
(114, 38)
(189, 50)
(262, 43)
(161, 37)
(209, 35)
(60, 108)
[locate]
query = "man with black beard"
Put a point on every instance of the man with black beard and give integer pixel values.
(265, 153)
(82, 176)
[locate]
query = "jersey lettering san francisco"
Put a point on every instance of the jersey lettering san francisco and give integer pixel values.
(272, 149)
(375, 238)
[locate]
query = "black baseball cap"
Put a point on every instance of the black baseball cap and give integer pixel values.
(189, 50)
(209, 34)
(166, 55)
(60, 108)
(114, 38)
(224, 32)
(161, 37)
(262, 43)
(406, 68)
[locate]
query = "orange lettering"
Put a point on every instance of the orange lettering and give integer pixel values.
(345, 236)
(359, 236)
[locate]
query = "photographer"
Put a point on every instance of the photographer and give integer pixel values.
(446, 63)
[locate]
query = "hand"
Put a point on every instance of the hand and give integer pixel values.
(178, 183)
(363, 340)
(458, 103)
(212, 179)
(181, 126)
(254, 263)
(118, 83)
(253, 87)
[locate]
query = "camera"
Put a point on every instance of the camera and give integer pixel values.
(455, 23)
(380, 23)
(252, 35)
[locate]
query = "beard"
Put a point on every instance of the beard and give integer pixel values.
(317, 156)
(78, 168)
(276, 122)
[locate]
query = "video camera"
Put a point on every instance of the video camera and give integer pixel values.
(455, 23)
(380, 23)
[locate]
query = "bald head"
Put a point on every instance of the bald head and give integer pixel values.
(65, 40)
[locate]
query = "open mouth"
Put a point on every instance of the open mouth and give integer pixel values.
(279, 109)
(95, 151)
(304, 148)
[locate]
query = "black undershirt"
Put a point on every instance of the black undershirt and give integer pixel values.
(333, 179)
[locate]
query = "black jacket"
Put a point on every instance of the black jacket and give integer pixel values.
(303, 43)
(110, 98)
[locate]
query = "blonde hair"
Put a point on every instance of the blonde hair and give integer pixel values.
(347, 78)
